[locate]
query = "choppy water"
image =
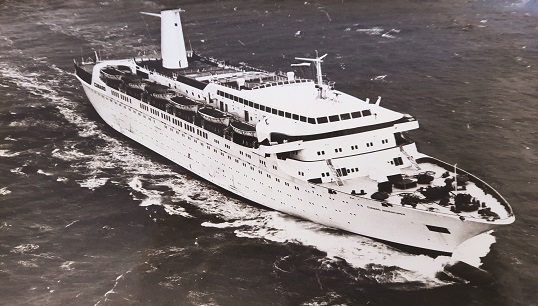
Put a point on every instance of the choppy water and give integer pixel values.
(89, 217)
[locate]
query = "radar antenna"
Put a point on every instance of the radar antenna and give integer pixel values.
(317, 61)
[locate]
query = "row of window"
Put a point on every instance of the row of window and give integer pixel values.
(279, 137)
(123, 97)
(281, 113)
(354, 147)
(175, 121)
(202, 133)
(245, 154)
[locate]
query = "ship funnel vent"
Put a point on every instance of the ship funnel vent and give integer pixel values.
(172, 43)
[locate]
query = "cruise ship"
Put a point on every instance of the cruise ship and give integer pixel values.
(295, 145)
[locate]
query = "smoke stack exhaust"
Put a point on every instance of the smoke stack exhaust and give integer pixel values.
(173, 49)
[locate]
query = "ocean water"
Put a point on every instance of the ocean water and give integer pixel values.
(88, 217)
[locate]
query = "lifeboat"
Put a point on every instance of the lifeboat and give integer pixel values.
(124, 69)
(184, 104)
(158, 91)
(131, 78)
(214, 115)
(242, 128)
(111, 73)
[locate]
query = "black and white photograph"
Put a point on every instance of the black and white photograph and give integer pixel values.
(269, 152)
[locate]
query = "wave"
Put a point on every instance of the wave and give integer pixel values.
(7, 153)
(25, 248)
(144, 176)
(4, 191)
(154, 197)
(359, 252)
(93, 182)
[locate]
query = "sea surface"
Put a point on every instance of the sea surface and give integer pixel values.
(88, 217)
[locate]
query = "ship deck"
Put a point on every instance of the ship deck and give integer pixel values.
(475, 187)
(209, 70)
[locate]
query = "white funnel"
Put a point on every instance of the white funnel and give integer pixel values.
(172, 43)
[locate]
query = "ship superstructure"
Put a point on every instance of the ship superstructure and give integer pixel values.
(291, 144)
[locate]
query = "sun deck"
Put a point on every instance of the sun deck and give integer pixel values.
(209, 70)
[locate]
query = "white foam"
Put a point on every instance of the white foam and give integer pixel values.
(372, 31)
(111, 291)
(27, 264)
(24, 248)
(68, 225)
(32, 82)
(67, 265)
(4, 191)
(44, 173)
(93, 182)
(153, 197)
(472, 250)
(17, 170)
(358, 251)
(62, 179)
(7, 153)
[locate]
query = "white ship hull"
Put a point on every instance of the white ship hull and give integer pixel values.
(247, 173)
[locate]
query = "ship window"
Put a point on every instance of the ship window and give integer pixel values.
(288, 115)
(323, 174)
(268, 109)
(295, 117)
(438, 229)
(256, 105)
(302, 118)
(312, 120)
(334, 118)
(322, 120)
(281, 113)
(345, 116)
(275, 111)
(250, 103)
(356, 115)
(398, 161)
(366, 113)
(262, 107)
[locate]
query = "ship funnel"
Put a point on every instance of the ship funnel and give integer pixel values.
(172, 43)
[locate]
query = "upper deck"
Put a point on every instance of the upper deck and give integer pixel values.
(287, 99)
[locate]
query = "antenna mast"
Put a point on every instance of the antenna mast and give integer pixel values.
(317, 61)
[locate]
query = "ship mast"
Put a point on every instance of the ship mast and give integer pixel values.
(317, 61)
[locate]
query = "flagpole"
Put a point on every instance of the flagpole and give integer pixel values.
(456, 180)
